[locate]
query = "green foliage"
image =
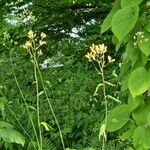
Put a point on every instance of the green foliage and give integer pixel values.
(70, 89)
(141, 138)
(130, 3)
(2, 105)
(129, 27)
(133, 103)
(107, 22)
(138, 81)
(141, 114)
(144, 44)
(118, 120)
(10, 135)
(123, 21)
(55, 106)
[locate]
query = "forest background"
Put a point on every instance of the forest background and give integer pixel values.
(51, 96)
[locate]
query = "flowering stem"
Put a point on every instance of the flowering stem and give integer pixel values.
(97, 53)
(50, 105)
(26, 104)
(101, 66)
(37, 102)
(34, 54)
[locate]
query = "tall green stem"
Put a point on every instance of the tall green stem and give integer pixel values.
(27, 107)
(37, 102)
(51, 108)
(101, 66)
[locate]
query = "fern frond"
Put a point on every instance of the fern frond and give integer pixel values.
(48, 145)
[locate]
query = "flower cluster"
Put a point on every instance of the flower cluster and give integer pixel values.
(97, 53)
(139, 37)
(31, 45)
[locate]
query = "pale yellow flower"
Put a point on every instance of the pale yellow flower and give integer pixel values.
(31, 34)
(110, 60)
(40, 52)
(88, 56)
(96, 52)
(97, 49)
(27, 45)
(42, 42)
(43, 35)
(93, 56)
(92, 50)
(139, 33)
(103, 48)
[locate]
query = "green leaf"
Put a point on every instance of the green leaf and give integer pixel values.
(133, 103)
(32, 145)
(141, 61)
(122, 42)
(130, 3)
(114, 40)
(147, 26)
(132, 53)
(107, 22)
(128, 131)
(148, 119)
(144, 45)
(139, 81)
(123, 21)
(10, 135)
(13, 136)
(141, 113)
(141, 138)
(124, 82)
(127, 135)
(124, 73)
(5, 125)
(117, 118)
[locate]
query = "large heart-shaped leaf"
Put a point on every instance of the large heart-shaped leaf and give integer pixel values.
(141, 138)
(107, 21)
(123, 21)
(141, 114)
(117, 118)
(139, 81)
(130, 3)
(133, 103)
